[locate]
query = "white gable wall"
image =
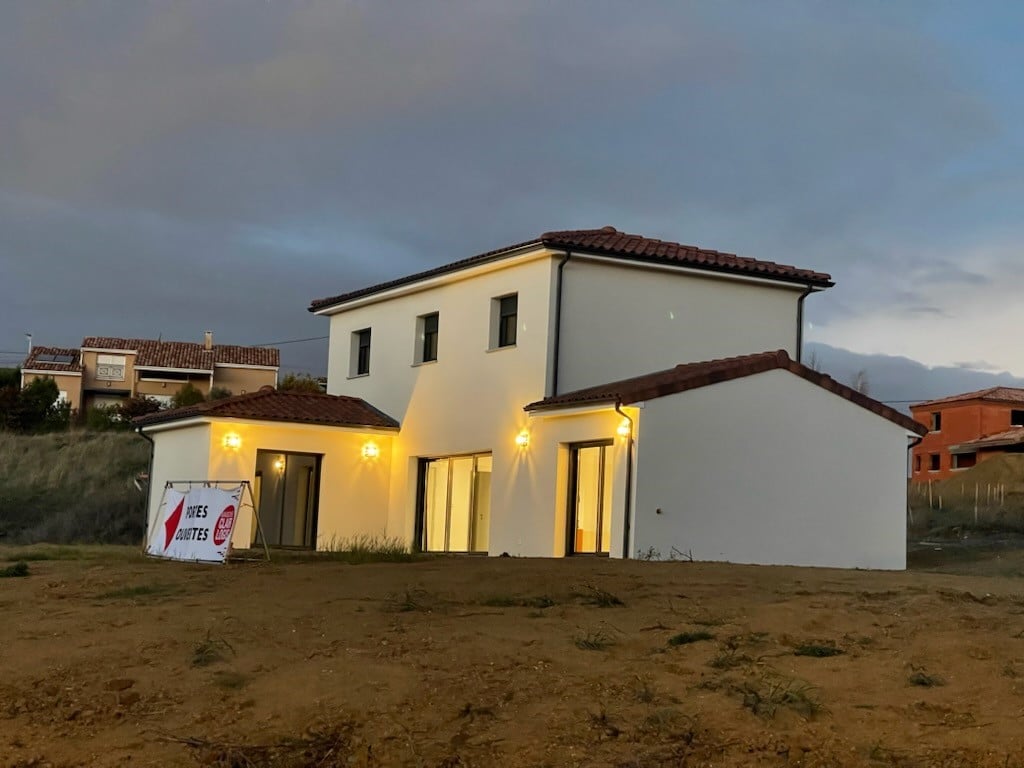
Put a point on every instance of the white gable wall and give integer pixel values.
(471, 399)
(622, 320)
(178, 454)
(771, 469)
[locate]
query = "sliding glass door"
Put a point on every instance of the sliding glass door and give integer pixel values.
(590, 499)
(455, 509)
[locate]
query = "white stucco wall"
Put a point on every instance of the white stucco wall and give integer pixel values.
(471, 399)
(771, 469)
(534, 520)
(180, 454)
(353, 489)
(622, 320)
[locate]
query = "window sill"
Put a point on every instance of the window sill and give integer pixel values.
(501, 349)
(423, 362)
(357, 376)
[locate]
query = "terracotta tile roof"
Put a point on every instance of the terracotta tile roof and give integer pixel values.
(1013, 436)
(608, 241)
(151, 353)
(56, 359)
(269, 404)
(695, 375)
(992, 394)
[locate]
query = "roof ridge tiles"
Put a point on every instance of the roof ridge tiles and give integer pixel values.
(611, 242)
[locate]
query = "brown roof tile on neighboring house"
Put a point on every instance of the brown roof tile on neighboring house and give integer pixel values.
(153, 353)
(1013, 436)
(608, 241)
(695, 375)
(269, 404)
(54, 359)
(992, 394)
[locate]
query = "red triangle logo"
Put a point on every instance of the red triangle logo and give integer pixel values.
(171, 526)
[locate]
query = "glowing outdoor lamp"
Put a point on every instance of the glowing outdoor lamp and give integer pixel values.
(523, 439)
(624, 428)
(279, 463)
(370, 450)
(232, 441)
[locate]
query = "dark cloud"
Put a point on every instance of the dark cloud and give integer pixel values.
(178, 166)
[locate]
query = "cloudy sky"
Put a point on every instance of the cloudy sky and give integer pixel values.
(169, 167)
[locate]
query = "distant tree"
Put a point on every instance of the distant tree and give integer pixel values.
(34, 403)
(134, 407)
(219, 393)
(10, 377)
(299, 382)
(860, 382)
(187, 395)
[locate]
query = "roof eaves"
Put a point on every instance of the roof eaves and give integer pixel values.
(320, 305)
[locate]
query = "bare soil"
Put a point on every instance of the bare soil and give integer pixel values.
(116, 661)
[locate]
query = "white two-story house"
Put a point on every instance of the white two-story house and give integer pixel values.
(588, 392)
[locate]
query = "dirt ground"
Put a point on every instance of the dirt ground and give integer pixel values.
(114, 660)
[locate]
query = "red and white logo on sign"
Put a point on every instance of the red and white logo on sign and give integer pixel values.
(222, 529)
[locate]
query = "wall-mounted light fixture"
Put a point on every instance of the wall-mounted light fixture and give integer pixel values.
(523, 439)
(623, 429)
(231, 441)
(370, 450)
(279, 463)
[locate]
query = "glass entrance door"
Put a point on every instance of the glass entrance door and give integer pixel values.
(287, 496)
(590, 499)
(456, 504)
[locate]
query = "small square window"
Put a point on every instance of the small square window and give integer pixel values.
(933, 462)
(964, 460)
(426, 335)
(1016, 418)
(359, 358)
(917, 463)
(504, 321)
(936, 421)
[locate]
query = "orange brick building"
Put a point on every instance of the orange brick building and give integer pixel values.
(965, 429)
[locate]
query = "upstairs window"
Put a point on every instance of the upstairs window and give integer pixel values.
(359, 364)
(110, 367)
(936, 421)
(504, 321)
(933, 462)
(1016, 418)
(426, 333)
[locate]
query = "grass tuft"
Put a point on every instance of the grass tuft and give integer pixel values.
(685, 638)
(924, 680)
(509, 601)
(593, 641)
(357, 550)
(136, 592)
(590, 594)
(14, 571)
(817, 651)
(210, 650)
(766, 697)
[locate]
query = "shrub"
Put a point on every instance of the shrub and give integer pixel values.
(104, 418)
(134, 407)
(299, 382)
(219, 393)
(187, 395)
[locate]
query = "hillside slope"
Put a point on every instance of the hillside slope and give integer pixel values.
(72, 487)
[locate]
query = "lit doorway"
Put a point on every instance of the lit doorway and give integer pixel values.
(590, 498)
(455, 504)
(288, 489)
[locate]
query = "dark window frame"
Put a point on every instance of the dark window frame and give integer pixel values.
(934, 462)
(363, 341)
(508, 320)
(936, 425)
(1017, 417)
(428, 348)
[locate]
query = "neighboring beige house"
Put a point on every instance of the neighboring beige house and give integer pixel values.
(107, 370)
(588, 392)
(63, 365)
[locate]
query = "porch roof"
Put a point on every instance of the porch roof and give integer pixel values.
(695, 375)
(268, 404)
